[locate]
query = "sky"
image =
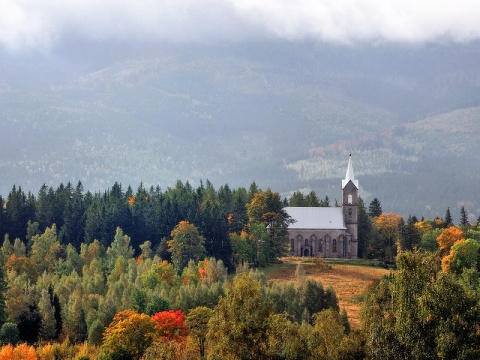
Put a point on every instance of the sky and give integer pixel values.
(41, 25)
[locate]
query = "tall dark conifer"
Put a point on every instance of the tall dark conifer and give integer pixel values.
(464, 217)
(375, 208)
(448, 218)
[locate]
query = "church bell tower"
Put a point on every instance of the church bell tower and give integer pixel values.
(350, 210)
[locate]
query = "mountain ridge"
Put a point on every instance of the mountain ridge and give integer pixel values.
(283, 115)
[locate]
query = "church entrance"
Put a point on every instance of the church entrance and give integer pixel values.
(306, 252)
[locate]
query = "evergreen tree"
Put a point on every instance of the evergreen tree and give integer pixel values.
(297, 199)
(448, 218)
(312, 199)
(365, 228)
(325, 202)
(464, 217)
(409, 234)
(375, 208)
(3, 290)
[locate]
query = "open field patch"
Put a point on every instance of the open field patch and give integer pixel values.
(349, 281)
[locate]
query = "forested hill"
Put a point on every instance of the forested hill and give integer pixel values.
(285, 115)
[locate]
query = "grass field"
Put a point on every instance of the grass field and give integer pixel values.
(349, 278)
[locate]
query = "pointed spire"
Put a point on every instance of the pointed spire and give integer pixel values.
(349, 175)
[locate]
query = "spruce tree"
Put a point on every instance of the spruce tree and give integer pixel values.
(375, 208)
(463, 217)
(448, 218)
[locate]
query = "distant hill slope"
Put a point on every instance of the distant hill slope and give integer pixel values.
(282, 114)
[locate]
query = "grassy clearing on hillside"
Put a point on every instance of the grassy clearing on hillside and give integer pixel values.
(350, 279)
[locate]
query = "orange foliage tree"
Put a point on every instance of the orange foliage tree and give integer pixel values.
(171, 325)
(448, 237)
(20, 352)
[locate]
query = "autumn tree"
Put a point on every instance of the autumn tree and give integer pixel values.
(128, 335)
(464, 254)
(186, 244)
(171, 325)
(447, 238)
(19, 352)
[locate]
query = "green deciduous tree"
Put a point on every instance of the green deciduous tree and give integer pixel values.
(186, 244)
(197, 321)
(266, 208)
(421, 313)
(238, 328)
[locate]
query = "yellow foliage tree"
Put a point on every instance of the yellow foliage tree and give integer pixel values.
(129, 334)
(423, 226)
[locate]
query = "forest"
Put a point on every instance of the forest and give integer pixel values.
(178, 274)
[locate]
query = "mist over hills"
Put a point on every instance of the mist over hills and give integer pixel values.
(283, 114)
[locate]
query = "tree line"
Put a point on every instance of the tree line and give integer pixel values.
(169, 296)
(145, 215)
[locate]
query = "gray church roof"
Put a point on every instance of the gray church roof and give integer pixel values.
(316, 217)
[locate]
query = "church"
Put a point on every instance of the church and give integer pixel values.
(328, 232)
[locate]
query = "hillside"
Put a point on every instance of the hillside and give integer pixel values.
(285, 115)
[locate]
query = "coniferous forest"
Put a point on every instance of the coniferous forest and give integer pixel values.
(178, 274)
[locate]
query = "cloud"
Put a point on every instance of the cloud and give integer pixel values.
(39, 25)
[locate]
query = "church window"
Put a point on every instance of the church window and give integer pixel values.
(350, 199)
(292, 245)
(334, 245)
(306, 242)
(320, 247)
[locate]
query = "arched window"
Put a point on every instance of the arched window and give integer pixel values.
(334, 245)
(306, 242)
(292, 245)
(320, 246)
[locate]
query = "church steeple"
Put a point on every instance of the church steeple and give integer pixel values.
(349, 176)
(350, 209)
